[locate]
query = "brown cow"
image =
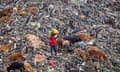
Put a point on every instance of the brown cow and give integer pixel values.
(94, 52)
(6, 19)
(33, 11)
(84, 36)
(34, 42)
(39, 58)
(5, 48)
(6, 12)
(31, 37)
(16, 56)
(81, 53)
(62, 44)
(28, 67)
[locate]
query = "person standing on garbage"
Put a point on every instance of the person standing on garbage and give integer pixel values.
(53, 44)
(53, 37)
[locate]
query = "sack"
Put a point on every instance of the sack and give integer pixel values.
(54, 31)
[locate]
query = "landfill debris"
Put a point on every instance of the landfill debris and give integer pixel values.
(26, 26)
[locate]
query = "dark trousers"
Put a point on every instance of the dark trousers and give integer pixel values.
(53, 48)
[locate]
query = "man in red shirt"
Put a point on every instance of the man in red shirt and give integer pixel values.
(53, 44)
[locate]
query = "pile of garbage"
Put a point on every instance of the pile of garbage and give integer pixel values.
(99, 18)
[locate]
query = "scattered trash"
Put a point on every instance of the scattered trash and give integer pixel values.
(41, 18)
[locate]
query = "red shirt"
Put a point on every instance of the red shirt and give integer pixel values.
(52, 41)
